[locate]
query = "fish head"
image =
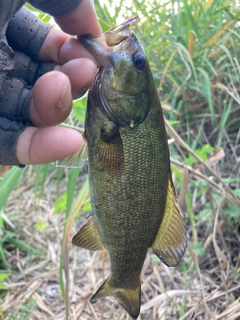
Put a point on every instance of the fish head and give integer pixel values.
(121, 87)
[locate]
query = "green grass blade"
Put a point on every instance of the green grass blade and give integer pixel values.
(225, 116)
(3, 261)
(185, 51)
(225, 49)
(206, 91)
(211, 67)
(64, 263)
(37, 179)
(8, 183)
(61, 279)
(72, 178)
(46, 169)
(58, 179)
(191, 19)
(25, 247)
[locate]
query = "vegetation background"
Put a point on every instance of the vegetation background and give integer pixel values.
(194, 50)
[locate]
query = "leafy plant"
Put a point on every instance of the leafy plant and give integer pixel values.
(7, 184)
(203, 153)
(3, 288)
(24, 312)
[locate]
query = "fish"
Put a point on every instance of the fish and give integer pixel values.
(130, 182)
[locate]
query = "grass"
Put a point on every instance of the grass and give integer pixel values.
(193, 48)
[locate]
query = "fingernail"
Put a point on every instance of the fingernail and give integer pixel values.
(64, 101)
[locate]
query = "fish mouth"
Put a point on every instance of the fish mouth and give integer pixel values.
(101, 46)
(113, 37)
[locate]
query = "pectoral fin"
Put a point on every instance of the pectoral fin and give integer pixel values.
(171, 240)
(77, 160)
(88, 237)
(110, 149)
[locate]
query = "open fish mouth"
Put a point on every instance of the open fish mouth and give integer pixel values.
(99, 45)
(113, 37)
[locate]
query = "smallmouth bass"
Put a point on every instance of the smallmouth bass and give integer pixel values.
(131, 188)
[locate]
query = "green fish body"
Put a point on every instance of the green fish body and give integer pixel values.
(131, 189)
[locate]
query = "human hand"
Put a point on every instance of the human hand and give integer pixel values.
(53, 92)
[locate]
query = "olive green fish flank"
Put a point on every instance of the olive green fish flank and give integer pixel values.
(131, 189)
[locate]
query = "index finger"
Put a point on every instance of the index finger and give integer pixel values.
(81, 20)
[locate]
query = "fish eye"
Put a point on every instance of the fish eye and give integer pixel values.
(139, 61)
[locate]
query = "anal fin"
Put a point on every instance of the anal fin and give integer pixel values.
(171, 240)
(88, 237)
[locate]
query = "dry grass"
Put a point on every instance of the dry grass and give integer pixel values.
(202, 287)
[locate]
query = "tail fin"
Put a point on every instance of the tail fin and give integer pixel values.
(129, 299)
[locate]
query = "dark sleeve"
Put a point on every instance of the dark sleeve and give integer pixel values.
(8, 8)
(28, 70)
(26, 32)
(14, 106)
(18, 73)
(9, 133)
(55, 7)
